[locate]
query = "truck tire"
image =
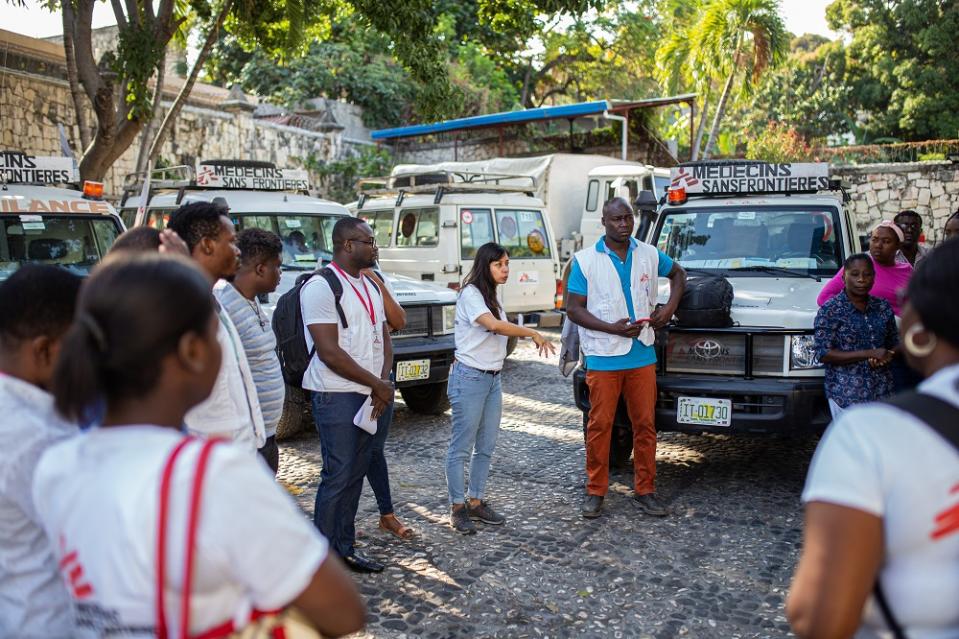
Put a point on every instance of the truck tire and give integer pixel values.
(620, 444)
(297, 414)
(426, 399)
(511, 343)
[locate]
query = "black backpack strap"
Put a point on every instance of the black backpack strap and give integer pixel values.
(938, 414)
(943, 418)
(337, 287)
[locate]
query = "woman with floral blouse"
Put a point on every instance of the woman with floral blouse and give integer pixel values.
(856, 339)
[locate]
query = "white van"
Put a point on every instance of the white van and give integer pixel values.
(45, 224)
(616, 180)
(428, 227)
(260, 196)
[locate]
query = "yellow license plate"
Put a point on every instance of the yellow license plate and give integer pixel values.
(412, 369)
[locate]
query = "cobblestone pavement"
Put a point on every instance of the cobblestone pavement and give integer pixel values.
(718, 566)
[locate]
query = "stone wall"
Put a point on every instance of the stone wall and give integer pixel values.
(879, 191)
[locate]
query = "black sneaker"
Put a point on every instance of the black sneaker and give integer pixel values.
(592, 506)
(650, 505)
(482, 512)
(460, 521)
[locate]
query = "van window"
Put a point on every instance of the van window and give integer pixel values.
(158, 218)
(662, 184)
(592, 195)
(476, 229)
(630, 192)
(129, 217)
(523, 233)
(418, 227)
(382, 224)
(74, 243)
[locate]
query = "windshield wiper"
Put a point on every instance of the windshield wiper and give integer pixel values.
(777, 270)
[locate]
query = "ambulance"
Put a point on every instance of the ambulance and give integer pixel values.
(777, 232)
(41, 222)
(260, 195)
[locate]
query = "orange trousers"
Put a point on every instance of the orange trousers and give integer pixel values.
(638, 387)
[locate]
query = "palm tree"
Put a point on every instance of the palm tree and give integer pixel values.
(739, 34)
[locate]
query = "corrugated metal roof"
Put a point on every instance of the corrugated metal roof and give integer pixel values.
(495, 119)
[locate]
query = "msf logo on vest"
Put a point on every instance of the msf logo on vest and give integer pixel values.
(72, 570)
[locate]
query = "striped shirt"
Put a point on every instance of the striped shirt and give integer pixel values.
(259, 342)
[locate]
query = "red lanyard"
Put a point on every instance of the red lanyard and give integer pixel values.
(369, 309)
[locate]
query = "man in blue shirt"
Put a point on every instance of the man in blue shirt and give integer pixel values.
(611, 296)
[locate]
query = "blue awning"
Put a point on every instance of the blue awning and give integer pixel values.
(496, 119)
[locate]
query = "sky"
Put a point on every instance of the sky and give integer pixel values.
(801, 16)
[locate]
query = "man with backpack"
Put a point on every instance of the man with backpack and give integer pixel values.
(345, 326)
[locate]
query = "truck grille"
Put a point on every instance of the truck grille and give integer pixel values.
(724, 352)
(417, 323)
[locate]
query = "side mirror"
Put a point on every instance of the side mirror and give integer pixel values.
(646, 201)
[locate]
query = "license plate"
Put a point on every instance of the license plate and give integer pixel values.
(704, 411)
(412, 369)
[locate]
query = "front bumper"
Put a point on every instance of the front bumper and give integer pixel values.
(439, 350)
(768, 406)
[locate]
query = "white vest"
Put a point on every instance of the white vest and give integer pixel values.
(605, 298)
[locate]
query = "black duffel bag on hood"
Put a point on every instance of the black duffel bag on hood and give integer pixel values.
(706, 303)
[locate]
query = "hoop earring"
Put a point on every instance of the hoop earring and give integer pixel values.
(914, 349)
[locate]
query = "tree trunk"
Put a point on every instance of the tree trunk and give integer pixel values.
(721, 107)
(71, 58)
(701, 128)
(143, 156)
(177, 105)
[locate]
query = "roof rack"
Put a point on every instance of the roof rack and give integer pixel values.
(171, 177)
(441, 183)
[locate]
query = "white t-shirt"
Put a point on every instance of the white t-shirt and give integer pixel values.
(882, 461)
(362, 340)
(476, 346)
(233, 408)
(97, 493)
(33, 600)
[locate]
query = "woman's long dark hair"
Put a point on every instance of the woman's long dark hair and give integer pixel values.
(131, 313)
(479, 276)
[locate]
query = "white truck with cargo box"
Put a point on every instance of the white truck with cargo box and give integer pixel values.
(262, 196)
(428, 227)
(776, 232)
(43, 223)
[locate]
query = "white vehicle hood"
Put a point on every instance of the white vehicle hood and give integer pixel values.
(774, 302)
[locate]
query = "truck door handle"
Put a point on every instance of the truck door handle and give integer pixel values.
(451, 268)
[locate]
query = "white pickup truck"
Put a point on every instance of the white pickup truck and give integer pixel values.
(777, 233)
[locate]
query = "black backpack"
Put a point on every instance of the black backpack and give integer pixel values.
(290, 331)
(706, 303)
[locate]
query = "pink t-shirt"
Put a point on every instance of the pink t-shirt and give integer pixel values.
(889, 281)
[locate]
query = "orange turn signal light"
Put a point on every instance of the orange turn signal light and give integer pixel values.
(676, 196)
(93, 190)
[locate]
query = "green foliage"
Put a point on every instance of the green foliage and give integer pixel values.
(135, 61)
(810, 92)
(336, 179)
(778, 143)
(902, 65)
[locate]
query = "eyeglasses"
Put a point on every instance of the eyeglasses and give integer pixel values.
(371, 241)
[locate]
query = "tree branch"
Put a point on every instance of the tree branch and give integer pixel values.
(69, 26)
(177, 106)
(145, 144)
(118, 14)
(133, 11)
(87, 70)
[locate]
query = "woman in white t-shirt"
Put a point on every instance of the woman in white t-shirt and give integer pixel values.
(474, 389)
(882, 495)
(145, 341)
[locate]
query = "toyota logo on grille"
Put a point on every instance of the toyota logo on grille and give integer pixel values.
(707, 349)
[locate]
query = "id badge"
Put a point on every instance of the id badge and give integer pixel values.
(377, 338)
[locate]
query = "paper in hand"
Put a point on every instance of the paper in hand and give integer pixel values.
(364, 417)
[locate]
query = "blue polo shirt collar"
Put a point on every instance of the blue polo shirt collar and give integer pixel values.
(602, 248)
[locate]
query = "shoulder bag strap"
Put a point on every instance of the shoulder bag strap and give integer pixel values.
(943, 418)
(196, 494)
(165, 479)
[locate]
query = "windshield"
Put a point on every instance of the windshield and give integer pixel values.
(76, 243)
(306, 238)
(759, 241)
(662, 183)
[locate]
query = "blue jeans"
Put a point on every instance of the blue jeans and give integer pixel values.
(477, 401)
(379, 475)
(346, 451)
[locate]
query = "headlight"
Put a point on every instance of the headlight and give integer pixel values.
(802, 352)
(443, 319)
